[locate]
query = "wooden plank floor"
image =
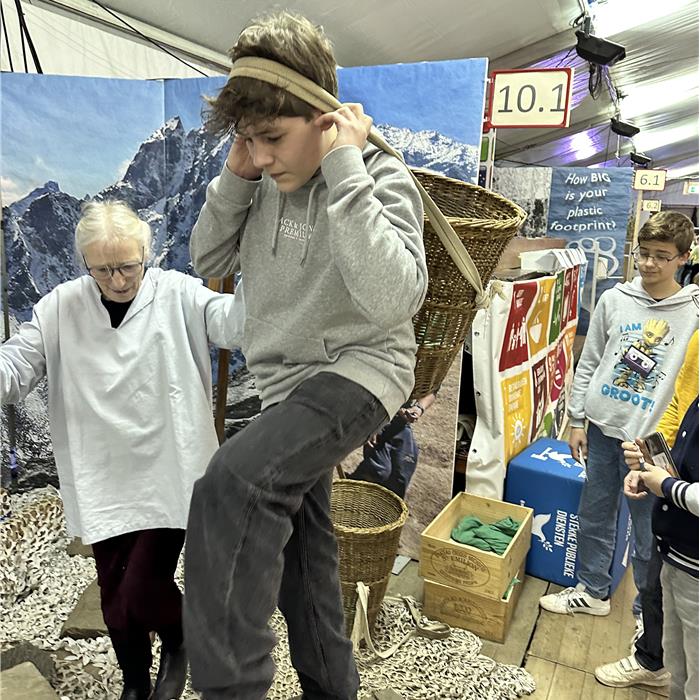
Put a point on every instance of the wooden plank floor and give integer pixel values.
(560, 651)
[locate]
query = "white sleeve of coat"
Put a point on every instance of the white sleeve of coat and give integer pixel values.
(22, 362)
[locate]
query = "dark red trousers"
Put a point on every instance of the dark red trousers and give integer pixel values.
(139, 595)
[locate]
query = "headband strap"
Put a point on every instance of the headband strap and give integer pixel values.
(287, 79)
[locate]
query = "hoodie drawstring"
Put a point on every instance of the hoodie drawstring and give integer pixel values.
(277, 221)
(305, 250)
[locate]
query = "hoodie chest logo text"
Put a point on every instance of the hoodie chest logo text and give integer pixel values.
(295, 230)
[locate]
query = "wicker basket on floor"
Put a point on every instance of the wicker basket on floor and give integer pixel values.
(367, 519)
(485, 222)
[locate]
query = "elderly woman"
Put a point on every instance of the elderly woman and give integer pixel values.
(126, 356)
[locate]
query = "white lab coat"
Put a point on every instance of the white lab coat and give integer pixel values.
(130, 408)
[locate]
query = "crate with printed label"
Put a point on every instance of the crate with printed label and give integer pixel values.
(450, 563)
(545, 477)
(485, 617)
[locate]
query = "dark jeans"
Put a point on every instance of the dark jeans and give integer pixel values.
(260, 534)
(138, 595)
(650, 653)
(392, 460)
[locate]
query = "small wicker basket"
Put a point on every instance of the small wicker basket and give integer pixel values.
(367, 519)
(484, 222)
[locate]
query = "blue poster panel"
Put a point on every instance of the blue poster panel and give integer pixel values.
(589, 207)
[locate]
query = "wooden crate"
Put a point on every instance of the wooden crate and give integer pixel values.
(450, 563)
(485, 617)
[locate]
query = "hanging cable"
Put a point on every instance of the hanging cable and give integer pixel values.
(21, 35)
(24, 33)
(147, 38)
(563, 60)
(30, 42)
(7, 38)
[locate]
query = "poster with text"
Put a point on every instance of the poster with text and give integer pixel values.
(589, 207)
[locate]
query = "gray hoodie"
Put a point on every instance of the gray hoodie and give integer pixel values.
(633, 351)
(333, 272)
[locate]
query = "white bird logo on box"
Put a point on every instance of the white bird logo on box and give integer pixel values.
(566, 460)
(538, 522)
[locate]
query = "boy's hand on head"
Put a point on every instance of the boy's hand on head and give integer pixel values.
(578, 443)
(351, 122)
(239, 160)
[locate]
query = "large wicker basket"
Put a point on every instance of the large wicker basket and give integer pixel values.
(485, 222)
(367, 519)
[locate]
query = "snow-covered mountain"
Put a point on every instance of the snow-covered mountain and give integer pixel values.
(430, 149)
(166, 183)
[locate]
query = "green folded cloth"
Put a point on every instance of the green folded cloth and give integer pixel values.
(511, 586)
(489, 538)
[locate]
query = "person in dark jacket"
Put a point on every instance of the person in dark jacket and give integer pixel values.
(675, 526)
(390, 457)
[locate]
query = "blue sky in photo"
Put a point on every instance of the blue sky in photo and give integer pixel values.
(444, 96)
(184, 98)
(80, 132)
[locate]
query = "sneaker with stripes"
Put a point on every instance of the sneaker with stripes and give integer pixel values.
(574, 600)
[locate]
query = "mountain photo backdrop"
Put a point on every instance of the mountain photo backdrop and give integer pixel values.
(67, 140)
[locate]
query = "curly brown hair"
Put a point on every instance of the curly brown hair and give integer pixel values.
(289, 39)
(669, 227)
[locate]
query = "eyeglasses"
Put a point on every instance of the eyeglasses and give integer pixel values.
(660, 260)
(105, 272)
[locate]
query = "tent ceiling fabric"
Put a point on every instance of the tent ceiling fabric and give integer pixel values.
(510, 33)
(372, 32)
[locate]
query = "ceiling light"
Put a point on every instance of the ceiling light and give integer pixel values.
(649, 140)
(596, 50)
(615, 16)
(640, 159)
(623, 128)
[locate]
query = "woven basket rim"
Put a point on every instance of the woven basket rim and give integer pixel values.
(519, 214)
(354, 483)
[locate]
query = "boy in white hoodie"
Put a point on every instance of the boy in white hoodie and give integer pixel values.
(624, 380)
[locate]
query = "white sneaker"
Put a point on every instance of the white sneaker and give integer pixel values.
(628, 671)
(638, 632)
(574, 600)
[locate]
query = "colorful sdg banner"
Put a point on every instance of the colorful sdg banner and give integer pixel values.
(522, 347)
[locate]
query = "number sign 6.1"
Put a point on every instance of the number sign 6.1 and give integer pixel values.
(649, 180)
(536, 98)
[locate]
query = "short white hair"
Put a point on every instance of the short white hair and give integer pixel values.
(108, 221)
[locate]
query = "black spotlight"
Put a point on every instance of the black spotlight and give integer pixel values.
(640, 159)
(599, 51)
(623, 128)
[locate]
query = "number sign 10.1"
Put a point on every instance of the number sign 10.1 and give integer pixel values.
(534, 98)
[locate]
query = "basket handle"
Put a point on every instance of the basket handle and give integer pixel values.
(360, 627)
(283, 77)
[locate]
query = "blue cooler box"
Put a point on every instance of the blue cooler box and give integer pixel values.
(547, 479)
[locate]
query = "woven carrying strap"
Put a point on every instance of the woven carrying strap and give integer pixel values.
(361, 631)
(283, 77)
